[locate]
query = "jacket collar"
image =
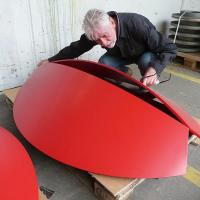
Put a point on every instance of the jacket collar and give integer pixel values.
(120, 28)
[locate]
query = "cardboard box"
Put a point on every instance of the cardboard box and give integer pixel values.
(42, 196)
(12, 93)
(114, 188)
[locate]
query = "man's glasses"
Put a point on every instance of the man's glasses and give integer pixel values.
(170, 75)
(158, 76)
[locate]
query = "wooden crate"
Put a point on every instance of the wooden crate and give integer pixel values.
(191, 60)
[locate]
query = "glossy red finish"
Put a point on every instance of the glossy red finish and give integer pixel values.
(92, 124)
(105, 71)
(18, 180)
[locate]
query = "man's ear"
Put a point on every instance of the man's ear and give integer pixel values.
(112, 21)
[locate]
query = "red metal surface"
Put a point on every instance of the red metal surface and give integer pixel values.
(18, 180)
(89, 123)
(104, 71)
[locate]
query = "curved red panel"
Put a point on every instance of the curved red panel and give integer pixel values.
(89, 123)
(102, 71)
(18, 180)
(182, 115)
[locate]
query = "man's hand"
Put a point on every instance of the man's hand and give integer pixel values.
(42, 62)
(150, 77)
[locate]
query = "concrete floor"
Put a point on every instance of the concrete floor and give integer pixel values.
(68, 183)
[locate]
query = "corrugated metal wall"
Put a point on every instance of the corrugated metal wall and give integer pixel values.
(33, 30)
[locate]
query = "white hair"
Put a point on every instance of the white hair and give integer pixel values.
(92, 19)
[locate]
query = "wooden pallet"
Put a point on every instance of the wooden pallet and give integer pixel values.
(191, 60)
(106, 187)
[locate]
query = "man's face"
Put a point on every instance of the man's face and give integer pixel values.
(105, 35)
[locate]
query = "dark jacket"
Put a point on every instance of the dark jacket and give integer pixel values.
(135, 35)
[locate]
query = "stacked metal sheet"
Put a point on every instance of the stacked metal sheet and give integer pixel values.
(185, 31)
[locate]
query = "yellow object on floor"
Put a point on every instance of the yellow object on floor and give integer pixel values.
(193, 176)
(184, 76)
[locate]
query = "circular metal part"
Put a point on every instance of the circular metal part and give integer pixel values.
(182, 26)
(184, 38)
(184, 33)
(18, 179)
(188, 34)
(196, 43)
(193, 17)
(188, 50)
(187, 31)
(188, 13)
(182, 22)
(92, 124)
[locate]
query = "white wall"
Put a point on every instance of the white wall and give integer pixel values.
(191, 5)
(33, 30)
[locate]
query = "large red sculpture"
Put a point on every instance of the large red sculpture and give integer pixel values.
(18, 180)
(97, 118)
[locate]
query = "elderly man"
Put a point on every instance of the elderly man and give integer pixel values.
(128, 38)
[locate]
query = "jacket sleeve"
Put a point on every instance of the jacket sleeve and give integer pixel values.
(162, 47)
(157, 43)
(75, 49)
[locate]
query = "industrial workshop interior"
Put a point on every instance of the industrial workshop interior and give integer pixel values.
(100, 100)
